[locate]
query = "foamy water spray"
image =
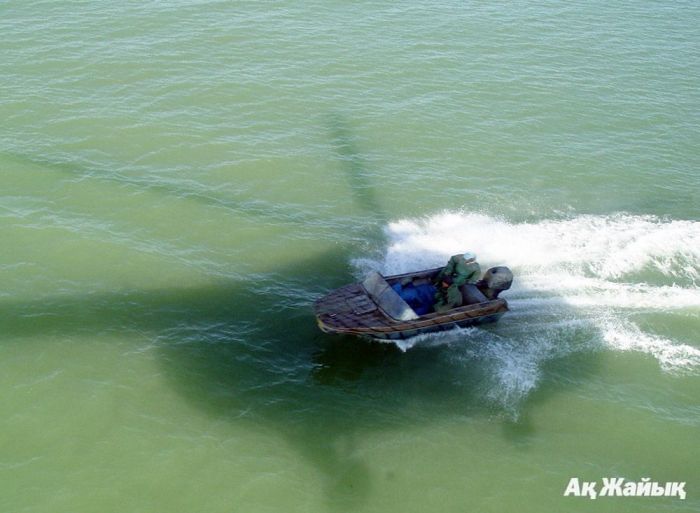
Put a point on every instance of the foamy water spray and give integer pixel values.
(578, 282)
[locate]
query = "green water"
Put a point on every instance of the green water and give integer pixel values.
(179, 180)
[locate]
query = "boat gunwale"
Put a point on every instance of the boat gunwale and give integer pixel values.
(464, 313)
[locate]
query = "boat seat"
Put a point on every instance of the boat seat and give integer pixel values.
(387, 298)
(471, 294)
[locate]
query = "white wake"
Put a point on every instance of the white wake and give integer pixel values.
(579, 283)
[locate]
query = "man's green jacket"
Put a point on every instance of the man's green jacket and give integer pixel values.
(460, 271)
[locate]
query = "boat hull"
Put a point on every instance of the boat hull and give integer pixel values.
(352, 310)
(405, 333)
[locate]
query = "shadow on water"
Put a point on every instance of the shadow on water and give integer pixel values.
(249, 352)
(354, 167)
(192, 192)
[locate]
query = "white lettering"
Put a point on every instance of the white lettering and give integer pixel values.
(644, 487)
(617, 487)
(677, 489)
(588, 488)
(630, 489)
(573, 488)
(657, 490)
(612, 486)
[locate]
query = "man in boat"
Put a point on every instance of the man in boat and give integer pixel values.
(459, 270)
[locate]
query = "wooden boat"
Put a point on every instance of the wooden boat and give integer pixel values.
(375, 309)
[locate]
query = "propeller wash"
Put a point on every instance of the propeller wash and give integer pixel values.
(579, 285)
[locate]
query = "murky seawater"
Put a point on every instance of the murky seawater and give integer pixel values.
(180, 180)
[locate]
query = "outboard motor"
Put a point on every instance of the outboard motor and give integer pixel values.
(496, 280)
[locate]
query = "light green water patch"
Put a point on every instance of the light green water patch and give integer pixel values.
(114, 442)
(631, 378)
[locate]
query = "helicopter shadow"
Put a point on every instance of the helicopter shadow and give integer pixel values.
(248, 351)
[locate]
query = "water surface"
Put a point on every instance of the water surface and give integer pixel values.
(180, 180)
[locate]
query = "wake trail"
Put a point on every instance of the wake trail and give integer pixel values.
(579, 283)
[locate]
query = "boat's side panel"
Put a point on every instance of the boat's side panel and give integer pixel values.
(467, 317)
(398, 335)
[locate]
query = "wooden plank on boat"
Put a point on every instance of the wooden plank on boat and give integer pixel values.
(361, 305)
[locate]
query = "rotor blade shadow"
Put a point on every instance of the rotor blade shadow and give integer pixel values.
(194, 192)
(355, 168)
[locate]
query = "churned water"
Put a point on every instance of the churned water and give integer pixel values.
(179, 180)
